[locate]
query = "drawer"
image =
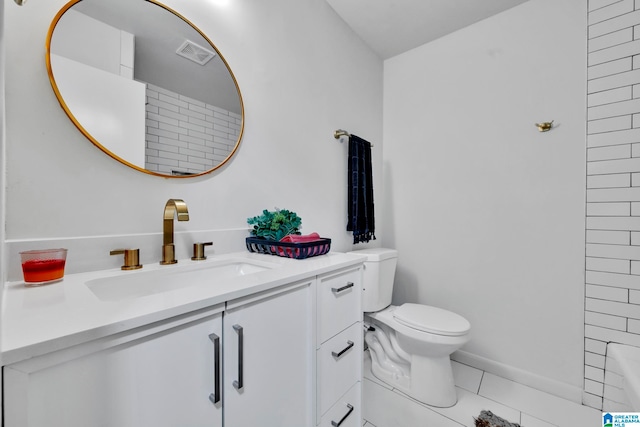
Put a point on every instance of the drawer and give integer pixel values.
(339, 304)
(339, 366)
(347, 411)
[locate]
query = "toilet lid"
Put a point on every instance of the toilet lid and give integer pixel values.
(431, 319)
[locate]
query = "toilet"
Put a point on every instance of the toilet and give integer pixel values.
(410, 344)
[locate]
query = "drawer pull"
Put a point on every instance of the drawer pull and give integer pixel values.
(337, 424)
(215, 396)
(344, 350)
(349, 285)
(239, 383)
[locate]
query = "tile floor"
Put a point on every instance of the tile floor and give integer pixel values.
(477, 390)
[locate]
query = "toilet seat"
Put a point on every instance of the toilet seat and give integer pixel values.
(430, 319)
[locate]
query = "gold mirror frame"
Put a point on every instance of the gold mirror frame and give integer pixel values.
(78, 125)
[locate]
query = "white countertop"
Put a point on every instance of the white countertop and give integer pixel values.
(42, 319)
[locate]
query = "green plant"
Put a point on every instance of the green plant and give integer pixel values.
(275, 225)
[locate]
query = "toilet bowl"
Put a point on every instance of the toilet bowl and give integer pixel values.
(415, 357)
(410, 344)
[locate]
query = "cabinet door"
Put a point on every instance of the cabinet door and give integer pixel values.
(164, 379)
(268, 354)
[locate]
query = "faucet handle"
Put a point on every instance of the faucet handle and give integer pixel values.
(131, 258)
(198, 251)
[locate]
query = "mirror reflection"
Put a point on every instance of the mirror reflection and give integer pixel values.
(145, 86)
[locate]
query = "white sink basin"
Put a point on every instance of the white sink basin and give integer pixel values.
(141, 283)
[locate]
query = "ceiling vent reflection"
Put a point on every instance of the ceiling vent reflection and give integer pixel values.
(194, 52)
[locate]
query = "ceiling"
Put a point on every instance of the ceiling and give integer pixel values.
(391, 27)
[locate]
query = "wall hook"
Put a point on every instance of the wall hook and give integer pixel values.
(545, 126)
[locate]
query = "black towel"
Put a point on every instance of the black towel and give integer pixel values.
(360, 204)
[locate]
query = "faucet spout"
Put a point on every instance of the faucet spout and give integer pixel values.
(175, 208)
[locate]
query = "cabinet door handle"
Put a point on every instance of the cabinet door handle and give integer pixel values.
(349, 411)
(343, 288)
(343, 351)
(215, 396)
(239, 383)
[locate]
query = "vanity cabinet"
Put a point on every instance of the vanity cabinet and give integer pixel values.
(161, 376)
(248, 362)
(339, 349)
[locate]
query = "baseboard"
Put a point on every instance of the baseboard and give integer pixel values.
(538, 382)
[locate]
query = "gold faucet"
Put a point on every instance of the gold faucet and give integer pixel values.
(173, 208)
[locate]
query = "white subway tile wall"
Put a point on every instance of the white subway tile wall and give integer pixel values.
(187, 136)
(612, 292)
(615, 398)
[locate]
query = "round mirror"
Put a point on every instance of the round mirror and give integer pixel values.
(145, 85)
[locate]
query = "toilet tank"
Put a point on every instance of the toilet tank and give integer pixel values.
(378, 275)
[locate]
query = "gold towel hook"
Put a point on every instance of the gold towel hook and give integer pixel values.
(544, 126)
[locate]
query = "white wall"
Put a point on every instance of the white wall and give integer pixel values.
(488, 213)
(99, 47)
(110, 108)
(302, 74)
